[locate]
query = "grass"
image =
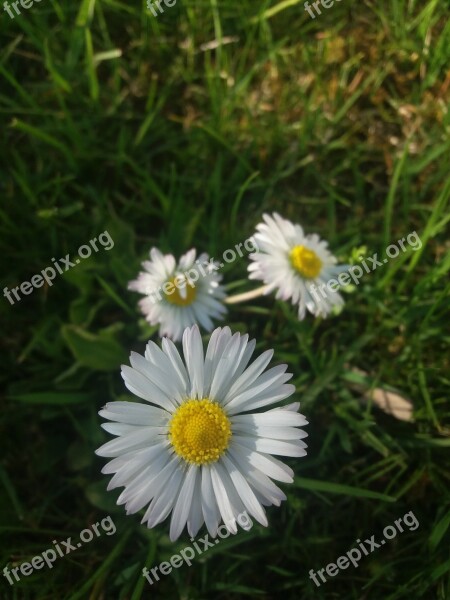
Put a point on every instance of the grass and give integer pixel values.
(115, 120)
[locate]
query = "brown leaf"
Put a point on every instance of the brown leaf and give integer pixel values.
(391, 403)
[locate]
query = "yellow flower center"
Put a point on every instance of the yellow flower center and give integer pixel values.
(305, 261)
(182, 295)
(200, 431)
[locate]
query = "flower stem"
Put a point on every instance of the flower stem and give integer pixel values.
(247, 295)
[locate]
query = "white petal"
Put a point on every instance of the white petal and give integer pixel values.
(142, 495)
(134, 413)
(162, 503)
(225, 369)
(183, 504)
(268, 465)
(273, 433)
(294, 406)
(245, 492)
(172, 353)
(145, 389)
(124, 428)
(116, 463)
(280, 417)
(266, 446)
(269, 396)
(223, 501)
(125, 443)
(166, 366)
(249, 375)
(135, 483)
(137, 462)
(195, 519)
(193, 356)
(210, 509)
(187, 260)
(154, 373)
(258, 480)
(273, 378)
(138, 481)
(243, 357)
(160, 488)
(217, 343)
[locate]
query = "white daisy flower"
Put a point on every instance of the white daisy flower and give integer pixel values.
(298, 266)
(180, 295)
(200, 449)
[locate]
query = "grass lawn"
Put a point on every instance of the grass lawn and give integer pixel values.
(180, 131)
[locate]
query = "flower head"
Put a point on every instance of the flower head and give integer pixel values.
(179, 295)
(200, 449)
(298, 266)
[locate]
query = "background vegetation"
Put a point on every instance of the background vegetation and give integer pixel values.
(179, 131)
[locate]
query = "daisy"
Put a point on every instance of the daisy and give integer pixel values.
(298, 266)
(200, 450)
(179, 295)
